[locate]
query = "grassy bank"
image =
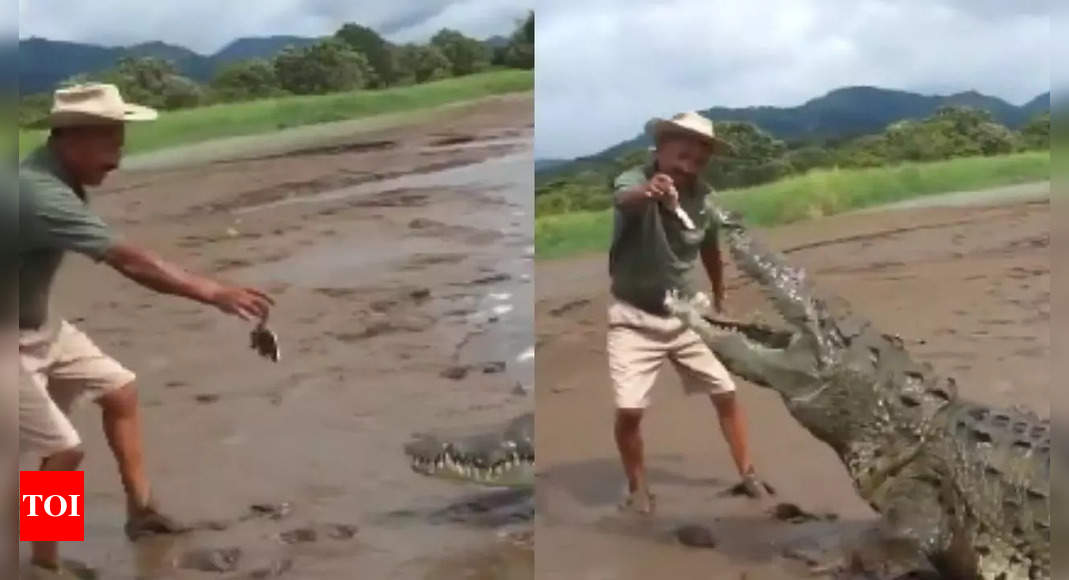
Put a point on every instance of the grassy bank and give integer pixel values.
(815, 194)
(204, 123)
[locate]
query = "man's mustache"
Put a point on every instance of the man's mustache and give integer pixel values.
(681, 173)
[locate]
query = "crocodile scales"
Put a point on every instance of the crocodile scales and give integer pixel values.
(963, 489)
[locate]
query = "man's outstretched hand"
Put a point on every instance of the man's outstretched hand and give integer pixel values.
(151, 271)
(246, 303)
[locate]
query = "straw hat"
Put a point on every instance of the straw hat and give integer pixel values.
(692, 124)
(93, 104)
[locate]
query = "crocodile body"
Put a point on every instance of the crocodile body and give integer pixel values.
(963, 489)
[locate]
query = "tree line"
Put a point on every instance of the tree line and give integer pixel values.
(952, 131)
(353, 58)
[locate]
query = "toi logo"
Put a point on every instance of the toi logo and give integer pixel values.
(51, 506)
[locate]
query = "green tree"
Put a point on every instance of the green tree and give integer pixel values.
(33, 108)
(759, 157)
(181, 92)
(416, 63)
(466, 55)
(325, 67)
(1036, 133)
(520, 50)
(952, 131)
(809, 157)
(377, 50)
(150, 81)
(244, 80)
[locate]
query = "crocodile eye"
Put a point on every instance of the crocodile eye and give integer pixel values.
(909, 401)
(940, 393)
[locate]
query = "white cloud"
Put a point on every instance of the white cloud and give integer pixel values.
(208, 25)
(605, 66)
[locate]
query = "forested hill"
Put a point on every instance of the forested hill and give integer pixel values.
(839, 115)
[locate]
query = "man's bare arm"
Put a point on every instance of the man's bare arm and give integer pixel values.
(714, 267)
(658, 187)
(155, 273)
(632, 197)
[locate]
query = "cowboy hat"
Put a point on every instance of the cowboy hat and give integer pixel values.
(92, 104)
(690, 124)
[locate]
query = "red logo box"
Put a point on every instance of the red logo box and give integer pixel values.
(51, 506)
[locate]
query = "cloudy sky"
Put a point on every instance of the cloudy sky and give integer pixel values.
(605, 66)
(208, 25)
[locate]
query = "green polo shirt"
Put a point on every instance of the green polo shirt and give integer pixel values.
(54, 219)
(652, 252)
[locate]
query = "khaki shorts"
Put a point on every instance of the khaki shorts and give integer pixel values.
(59, 368)
(638, 345)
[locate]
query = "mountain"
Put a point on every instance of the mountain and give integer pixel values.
(45, 63)
(497, 41)
(1037, 105)
(840, 114)
(264, 47)
(190, 64)
(547, 164)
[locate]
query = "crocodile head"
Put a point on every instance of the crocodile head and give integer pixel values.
(500, 457)
(853, 387)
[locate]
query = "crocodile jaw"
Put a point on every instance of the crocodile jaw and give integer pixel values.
(501, 456)
(510, 469)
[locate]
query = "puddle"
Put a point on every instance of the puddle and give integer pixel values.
(502, 319)
(493, 563)
(513, 170)
(327, 264)
(478, 144)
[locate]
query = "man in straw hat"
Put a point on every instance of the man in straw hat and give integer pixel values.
(661, 228)
(61, 364)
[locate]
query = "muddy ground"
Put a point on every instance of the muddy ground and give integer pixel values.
(396, 255)
(972, 283)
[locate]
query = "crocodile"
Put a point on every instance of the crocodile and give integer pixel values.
(501, 457)
(962, 488)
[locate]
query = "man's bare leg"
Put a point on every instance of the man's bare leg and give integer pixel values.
(122, 427)
(46, 554)
(733, 426)
(629, 443)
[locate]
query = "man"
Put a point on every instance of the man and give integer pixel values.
(61, 364)
(654, 251)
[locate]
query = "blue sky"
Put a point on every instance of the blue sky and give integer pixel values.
(605, 66)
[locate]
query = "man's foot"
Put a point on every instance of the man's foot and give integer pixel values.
(148, 521)
(751, 486)
(640, 501)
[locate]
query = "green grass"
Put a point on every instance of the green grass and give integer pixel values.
(228, 120)
(815, 194)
